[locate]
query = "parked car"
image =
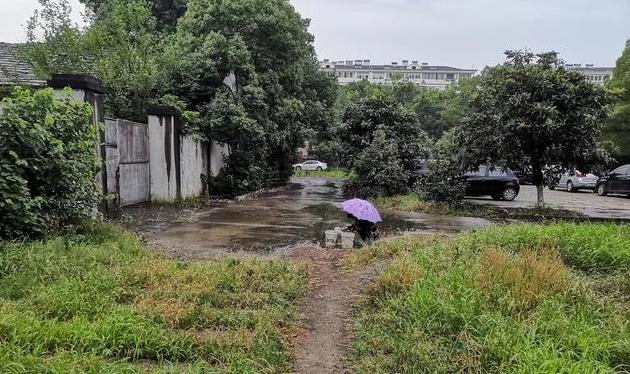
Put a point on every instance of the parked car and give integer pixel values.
(311, 165)
(575, 180)
(495, 182)
(616, 182)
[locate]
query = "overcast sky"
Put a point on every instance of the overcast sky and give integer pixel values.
(460, 33)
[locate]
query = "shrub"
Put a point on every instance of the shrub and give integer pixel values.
(378, 169)
(47, 163)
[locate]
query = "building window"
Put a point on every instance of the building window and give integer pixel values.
(450, 77)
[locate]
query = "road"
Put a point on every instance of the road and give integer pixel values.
(585, 202)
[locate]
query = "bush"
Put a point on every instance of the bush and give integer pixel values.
(378, 169)
(47, 163)
(442, 184)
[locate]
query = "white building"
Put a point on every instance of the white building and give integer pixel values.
(433, 77)
(597, 75)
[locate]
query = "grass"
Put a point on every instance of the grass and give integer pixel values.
(331, 173)
(101, 302)
(413, 202)
(516, 299)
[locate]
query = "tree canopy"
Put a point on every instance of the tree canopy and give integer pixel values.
(618, 128)
(532, 112)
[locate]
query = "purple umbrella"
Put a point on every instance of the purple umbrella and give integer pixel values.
(361, 209)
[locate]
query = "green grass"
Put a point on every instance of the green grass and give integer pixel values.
(331, 173)
(515, 299)
(101, 302)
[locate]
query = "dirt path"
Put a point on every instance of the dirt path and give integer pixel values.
(325, 343)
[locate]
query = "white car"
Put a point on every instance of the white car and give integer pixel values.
(576, 180)
(311, 165)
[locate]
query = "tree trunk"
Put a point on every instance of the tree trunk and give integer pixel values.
(539, 181)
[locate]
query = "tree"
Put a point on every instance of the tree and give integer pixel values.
(120, 47)
(165, 12)
(378, 168)
(280, 92)
(364, 120)
(617, 129)
(531, 112)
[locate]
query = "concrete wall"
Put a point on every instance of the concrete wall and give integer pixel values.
(217, 155)
(194, 167)
(179, 165)
(163, 182)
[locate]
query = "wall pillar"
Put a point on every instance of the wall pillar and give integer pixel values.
(89, 90)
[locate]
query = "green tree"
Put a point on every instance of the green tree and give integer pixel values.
(378, 168)
(280, 92)
(617, 129)
(47, 163)
(120, 47)
(531, 112)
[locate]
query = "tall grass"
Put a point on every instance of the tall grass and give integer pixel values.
(516, 299)
(101, 302)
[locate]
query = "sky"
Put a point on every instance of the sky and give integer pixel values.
(459, 33)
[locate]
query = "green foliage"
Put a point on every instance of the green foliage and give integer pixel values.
(378, 128)
(120, 46)
(505, 300)
(47, 163)
(379, 170)
(280, 93)
(99, 301)
(531, 112)
(617, 130)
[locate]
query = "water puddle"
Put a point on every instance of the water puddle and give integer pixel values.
(299, 214)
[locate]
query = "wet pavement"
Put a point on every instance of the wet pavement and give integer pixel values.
(276, 221)
(584, 202)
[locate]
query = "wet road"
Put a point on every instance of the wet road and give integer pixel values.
(583, 201)
(299, 214)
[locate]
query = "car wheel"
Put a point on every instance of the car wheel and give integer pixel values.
(509, 194)
(552, 187)
(570, 187)
(602, 190)
(298, 168)
(319, 168)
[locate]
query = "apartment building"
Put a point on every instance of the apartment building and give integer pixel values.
(422, 74)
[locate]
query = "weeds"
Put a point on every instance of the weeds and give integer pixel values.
(515, 299)
(100, 302)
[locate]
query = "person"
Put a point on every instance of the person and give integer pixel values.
(367, 230)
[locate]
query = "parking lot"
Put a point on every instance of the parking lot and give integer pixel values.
(585, 202)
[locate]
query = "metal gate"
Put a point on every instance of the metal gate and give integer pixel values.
(127, 153)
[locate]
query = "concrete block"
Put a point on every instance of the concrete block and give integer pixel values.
(332, 239)
(347, 240)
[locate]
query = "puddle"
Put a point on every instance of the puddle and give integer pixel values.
(299, 214)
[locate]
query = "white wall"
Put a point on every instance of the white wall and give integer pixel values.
(193, 156)
(217, 154)
(162, 158)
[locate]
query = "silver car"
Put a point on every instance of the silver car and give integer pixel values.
(311, 165)
(574, 181)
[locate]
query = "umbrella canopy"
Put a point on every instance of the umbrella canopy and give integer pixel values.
(361, 209)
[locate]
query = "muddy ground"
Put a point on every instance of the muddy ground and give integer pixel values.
(288, 223)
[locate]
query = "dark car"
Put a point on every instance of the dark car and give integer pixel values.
(495, 182)
(616, 182)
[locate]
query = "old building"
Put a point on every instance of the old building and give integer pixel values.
(422, 74)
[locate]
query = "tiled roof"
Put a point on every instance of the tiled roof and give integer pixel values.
(13, 69)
